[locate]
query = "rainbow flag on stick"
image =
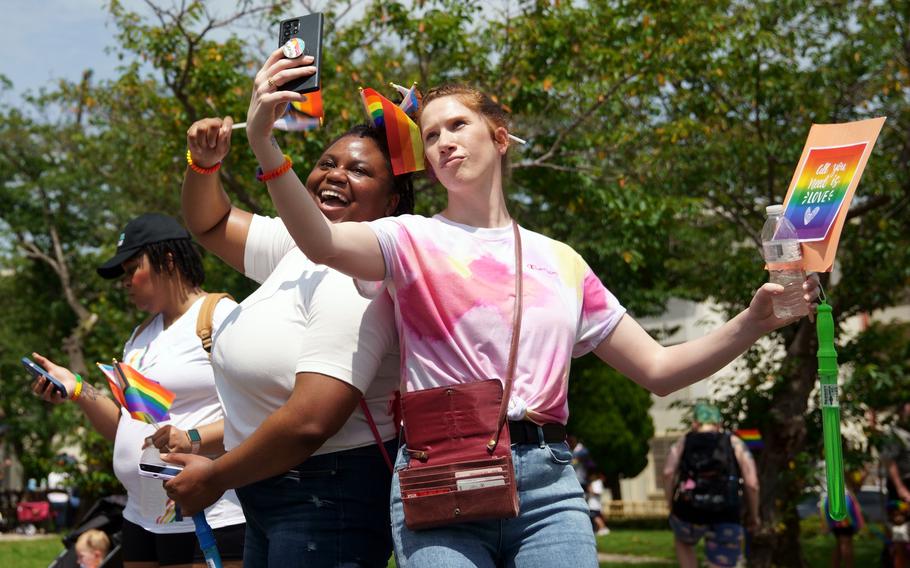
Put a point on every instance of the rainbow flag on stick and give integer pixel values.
(410, 98)
(296, 121)
(299, 116)
(403, 136)
(752, 438)
(145, 399)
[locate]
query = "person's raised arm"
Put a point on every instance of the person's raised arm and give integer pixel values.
(351, 248)
(318, 407)
(663, 370)
(216, 224)
(102, 412)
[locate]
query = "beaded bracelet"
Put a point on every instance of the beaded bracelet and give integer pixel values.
(77, 392)
(277, 172)
(200, 170)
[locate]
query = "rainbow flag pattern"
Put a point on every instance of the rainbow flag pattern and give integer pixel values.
(402, 135)
(821, 188)
(302, 115)
(145, 399)
(410, 98)
(752, 438)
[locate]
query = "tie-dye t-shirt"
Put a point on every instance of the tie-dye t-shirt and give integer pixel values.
(454, 290)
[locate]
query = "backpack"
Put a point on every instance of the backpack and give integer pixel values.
(708, 476)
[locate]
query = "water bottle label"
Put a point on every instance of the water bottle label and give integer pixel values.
(828, 394)
(782, 251)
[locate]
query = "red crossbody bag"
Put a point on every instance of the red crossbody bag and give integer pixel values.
(460, 466)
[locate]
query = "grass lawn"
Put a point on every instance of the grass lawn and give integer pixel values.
(32, 553)
(38, 552)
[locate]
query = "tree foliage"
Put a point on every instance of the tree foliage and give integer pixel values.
(657, 132)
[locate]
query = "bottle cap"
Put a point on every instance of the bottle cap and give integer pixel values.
(774, 209)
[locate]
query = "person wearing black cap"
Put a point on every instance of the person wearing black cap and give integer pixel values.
(161, 270)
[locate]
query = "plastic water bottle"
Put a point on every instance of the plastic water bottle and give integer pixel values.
(784, 257)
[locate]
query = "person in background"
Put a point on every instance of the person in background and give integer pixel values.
(595, 503)
(702, 479)
(92, 547)
(161, 270)
(846, 529)
(896, 457)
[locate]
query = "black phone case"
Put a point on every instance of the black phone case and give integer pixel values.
(309, 29)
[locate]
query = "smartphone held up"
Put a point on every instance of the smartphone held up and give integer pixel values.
(299, 37)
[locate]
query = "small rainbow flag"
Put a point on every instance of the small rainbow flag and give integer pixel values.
(296, 121)
(145, 399)
(311, 105)
(403, 136)
(410, 98)
(752, 438)
(302, 115)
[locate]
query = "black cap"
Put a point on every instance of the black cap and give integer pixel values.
(144, 230)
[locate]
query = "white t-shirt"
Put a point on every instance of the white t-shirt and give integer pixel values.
(595, 495)
(304, 317)
(175, 358)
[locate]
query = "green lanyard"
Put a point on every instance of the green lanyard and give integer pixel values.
(827, 374)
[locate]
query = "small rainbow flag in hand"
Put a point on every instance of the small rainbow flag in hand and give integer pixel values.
(403, 136)
(145, 399)
(752, 438)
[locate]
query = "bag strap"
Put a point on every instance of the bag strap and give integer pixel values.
(375, 430)
(204, 323)
(513, 347)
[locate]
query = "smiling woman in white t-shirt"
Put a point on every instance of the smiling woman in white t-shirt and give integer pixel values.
(162, 273)
(294, 361)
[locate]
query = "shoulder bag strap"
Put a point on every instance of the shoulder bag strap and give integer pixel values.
(375, 430)
(513, 347)
(204, 323)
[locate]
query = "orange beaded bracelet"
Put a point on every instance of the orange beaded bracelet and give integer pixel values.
(277, 172)
(200, 170)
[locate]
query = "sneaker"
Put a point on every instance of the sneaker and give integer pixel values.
(603, 532)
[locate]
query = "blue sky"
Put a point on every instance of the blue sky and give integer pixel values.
(73, 35)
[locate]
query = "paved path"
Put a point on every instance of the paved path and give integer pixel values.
(10, 537)
(629, 559)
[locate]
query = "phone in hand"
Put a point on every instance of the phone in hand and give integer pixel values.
(163, 471)
(37, 371)
(309, 30)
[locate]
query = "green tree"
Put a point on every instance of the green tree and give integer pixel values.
(610, 416)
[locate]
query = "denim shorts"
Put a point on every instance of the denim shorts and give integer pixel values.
(552, 528)
(332, 510)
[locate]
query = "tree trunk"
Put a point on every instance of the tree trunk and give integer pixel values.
(615, 488)
(784, 431)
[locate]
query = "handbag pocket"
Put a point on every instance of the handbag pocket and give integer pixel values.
(465, 491)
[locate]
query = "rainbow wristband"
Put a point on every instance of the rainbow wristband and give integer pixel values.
(277, 172)
(77, 392)
(198, 169)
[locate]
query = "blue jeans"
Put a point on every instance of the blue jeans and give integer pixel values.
(332, 510)
(552, 528)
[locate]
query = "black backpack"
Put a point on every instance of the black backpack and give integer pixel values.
(709, 477)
